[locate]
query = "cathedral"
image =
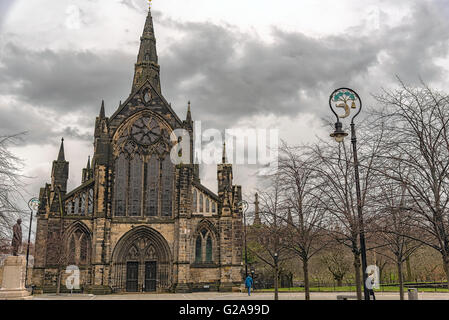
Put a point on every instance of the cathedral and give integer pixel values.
(138, 222)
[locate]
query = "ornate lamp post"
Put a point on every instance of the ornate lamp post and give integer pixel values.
(245, 207)
(33, 204)
(348, 99)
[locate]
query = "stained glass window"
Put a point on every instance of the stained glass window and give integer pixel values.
(77, 206)
(207, 205)
(151, 204)
(198, 249)
(90, 205)
(69, 208)
(195, 200)
(135, 185)
(83, 204)
(72, 250)
(84, 249)
(121, 168)
(209, 249)
(214, 207)
(167, 186)
(201, 203)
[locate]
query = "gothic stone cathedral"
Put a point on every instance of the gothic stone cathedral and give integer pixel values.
(138, 222)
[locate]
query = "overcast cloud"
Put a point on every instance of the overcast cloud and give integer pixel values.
(56, 69)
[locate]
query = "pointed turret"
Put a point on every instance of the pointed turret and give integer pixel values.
(223, 157)
(102, 113)
(60, 171)
(87, 172)
(61, 156)
(147, 61)
(189, 115)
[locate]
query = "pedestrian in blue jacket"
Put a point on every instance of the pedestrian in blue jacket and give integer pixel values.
(249, 284)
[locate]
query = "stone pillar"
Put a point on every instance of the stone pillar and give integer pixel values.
(13, 284)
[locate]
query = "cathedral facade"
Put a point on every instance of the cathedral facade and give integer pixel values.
(138, 222)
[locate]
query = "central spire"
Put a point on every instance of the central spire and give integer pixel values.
(147, 65)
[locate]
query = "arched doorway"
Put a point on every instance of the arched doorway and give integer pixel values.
(141, 262)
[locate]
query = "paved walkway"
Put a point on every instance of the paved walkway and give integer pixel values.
(233, 296)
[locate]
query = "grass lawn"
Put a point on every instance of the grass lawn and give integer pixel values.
(350, 289)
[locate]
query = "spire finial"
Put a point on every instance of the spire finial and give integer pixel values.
(88, 163)
(146, 67)
(223, 159)
(189, 114)
(61, 156)
(102, 113)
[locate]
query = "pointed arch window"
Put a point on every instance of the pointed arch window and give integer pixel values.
(207, 205)
(214, 208)
(195, 200)
(199, 249)
(201, 203)
(78, 248)
(135, 186)
(204, 247)
(90, 205)
(83, 204)
(152, 187)
(121, 170)
(209, 249)
(167, 187)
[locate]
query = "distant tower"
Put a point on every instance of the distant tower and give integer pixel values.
(256, 211)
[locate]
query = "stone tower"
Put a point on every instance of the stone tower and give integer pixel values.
(138, 221)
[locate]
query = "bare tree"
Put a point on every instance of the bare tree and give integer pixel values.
(11, 185)
(394, 228)
(417, 151)
(306, 236)
(268, 239)
(337, 195)
(337, 263)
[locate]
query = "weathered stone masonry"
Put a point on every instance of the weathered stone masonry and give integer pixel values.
(138, 222)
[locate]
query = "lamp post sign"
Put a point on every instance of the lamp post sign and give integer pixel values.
(347, 100)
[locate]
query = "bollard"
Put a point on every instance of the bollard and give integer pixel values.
(412, 294)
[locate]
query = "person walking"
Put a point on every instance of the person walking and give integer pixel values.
(370, 281)
(249, 284)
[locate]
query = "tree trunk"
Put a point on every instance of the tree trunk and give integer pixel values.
(401, 281)
(446, 268)
(409, 269)
(276, 283)
(340, 282)
(305, 268)
(358, 279)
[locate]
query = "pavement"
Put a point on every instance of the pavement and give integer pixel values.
(233, 296)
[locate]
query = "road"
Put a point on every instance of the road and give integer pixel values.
(233, 296)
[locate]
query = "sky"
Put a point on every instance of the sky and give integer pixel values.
(242, 64)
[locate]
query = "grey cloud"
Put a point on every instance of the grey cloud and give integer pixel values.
(267, 78)
(65, 81)
(226, 73)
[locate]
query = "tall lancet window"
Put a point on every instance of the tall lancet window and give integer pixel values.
(121, 168)
(195, 200)
(135, 186)
(167, 186)
(152, 187)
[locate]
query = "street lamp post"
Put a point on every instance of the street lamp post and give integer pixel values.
(33, 205)
(342, 98)
(246, 205)
(276, 276)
